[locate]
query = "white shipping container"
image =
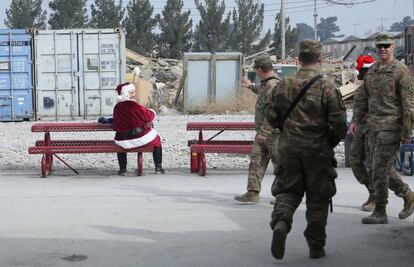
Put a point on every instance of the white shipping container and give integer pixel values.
(77, 71)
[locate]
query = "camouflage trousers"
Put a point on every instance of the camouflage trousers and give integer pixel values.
(382, 149)
(311, 174)
(262, 153)
(358, 155)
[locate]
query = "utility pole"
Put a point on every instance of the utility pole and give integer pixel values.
(315, 21)
(282, 27)
(355, 24)
(382, 24)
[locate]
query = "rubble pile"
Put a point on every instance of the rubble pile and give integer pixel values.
(288, 61)
(158, 81)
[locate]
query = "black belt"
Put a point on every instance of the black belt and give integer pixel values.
(133, 132)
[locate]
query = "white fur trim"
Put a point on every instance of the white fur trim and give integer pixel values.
(127, 88)
(356, 72)
(137, 142)
(153, 111)
(367, 65)
(125, 92)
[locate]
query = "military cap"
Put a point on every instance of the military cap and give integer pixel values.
(384, 38)
(310, 47)
(264, 63)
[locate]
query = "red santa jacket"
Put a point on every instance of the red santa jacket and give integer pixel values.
(129, 115)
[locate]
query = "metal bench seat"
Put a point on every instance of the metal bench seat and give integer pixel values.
(81, 147)
(201, 149)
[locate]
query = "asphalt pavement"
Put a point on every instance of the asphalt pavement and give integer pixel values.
(180, 219)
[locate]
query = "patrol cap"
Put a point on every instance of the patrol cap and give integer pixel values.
(310, 47)
(264, 63)
(384, 38)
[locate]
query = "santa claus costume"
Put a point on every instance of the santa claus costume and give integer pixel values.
(133, 125)
(364, 62)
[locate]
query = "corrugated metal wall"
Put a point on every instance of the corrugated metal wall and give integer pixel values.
(16, 85)
(409, 47)
(340, 49)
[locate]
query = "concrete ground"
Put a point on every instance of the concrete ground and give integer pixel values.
(179, 219)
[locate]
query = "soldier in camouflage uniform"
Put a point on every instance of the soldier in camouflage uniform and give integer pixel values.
(265, 143)
(357, 153)
(385, 102)
(357, 160)
(306, 149)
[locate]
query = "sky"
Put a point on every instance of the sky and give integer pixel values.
(356, 18)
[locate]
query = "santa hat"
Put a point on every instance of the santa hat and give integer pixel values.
(364, 62)
(123, 90)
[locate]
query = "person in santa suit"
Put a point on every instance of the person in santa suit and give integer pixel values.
(133, 125)
(364, 62)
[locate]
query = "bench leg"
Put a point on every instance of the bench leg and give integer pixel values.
(49, 160)
(139, 159)
(43, 166)
(202, 164)
(194, 166)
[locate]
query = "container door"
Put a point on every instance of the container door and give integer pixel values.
(227, 80)
(56, 75)
(100, 64)
(197, 84)
(16, 88)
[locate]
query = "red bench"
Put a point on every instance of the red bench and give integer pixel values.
(199, 147)
(50, 148)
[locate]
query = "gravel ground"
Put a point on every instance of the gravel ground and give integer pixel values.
(16, 138)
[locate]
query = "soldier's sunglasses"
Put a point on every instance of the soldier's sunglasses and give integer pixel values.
(379, 46)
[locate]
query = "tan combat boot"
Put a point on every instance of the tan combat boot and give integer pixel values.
(368, 205)
(408, 205)
(379, 216)
(249, 197)
(279, 238)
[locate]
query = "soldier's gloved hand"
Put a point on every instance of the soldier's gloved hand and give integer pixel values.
(260, 138)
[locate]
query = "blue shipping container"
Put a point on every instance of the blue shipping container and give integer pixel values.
(16, 85)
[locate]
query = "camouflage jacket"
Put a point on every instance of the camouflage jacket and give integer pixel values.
(263, 90)
(317, 123)
(386, 99)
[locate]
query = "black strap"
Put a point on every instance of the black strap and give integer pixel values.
(297, 99)
(268, 79)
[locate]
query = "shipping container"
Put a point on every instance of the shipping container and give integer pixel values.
(211, 78)
(77, 71)
(16, 83)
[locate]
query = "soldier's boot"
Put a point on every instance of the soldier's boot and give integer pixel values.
(408, 205)
(279, 238)
(379, 216)
(122, 172)
(316, 253)
(368, 205)
(157, 156)
(249, 197)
